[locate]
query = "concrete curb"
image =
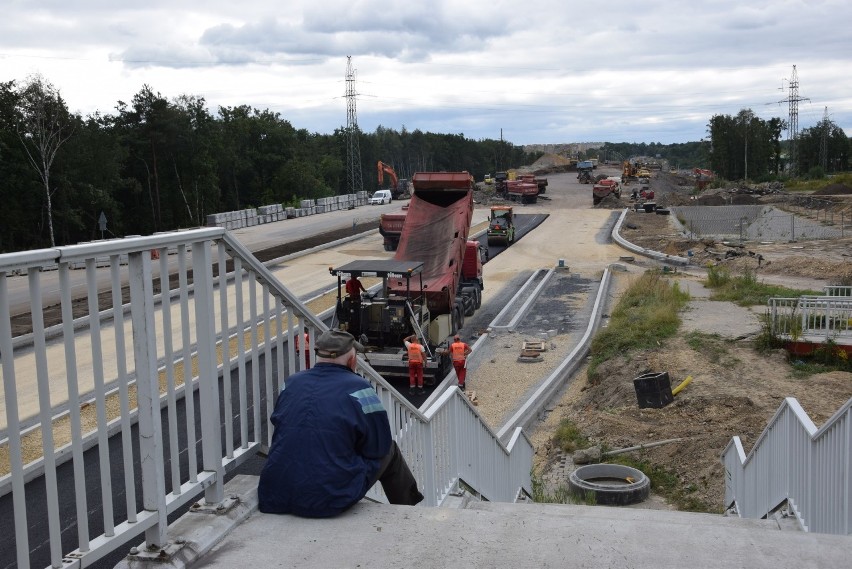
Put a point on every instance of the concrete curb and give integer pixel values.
(616, 236)
(530, 411)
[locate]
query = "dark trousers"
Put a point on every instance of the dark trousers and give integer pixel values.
(398, 482)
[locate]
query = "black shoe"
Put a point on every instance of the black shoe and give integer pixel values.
(412, 391)
(461, 386)
(420, 391)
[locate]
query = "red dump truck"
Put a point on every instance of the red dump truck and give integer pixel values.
(533, 179)
(390, 228)
(433, 282)
(604, 188)
(521, 191)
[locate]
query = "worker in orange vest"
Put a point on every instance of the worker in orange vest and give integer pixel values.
(307, 350)
(416, 358)
(459, 352)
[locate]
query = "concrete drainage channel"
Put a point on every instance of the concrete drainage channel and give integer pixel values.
(610, 484)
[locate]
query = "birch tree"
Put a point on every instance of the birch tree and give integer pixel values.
(45, 125)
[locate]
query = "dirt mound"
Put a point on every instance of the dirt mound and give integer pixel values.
(550, 160)
(610, 202)
(834, 190)
(741, 199)
(710, 200)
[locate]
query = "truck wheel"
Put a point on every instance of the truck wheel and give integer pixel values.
(477, 298)
(458, 319)
(469, 300)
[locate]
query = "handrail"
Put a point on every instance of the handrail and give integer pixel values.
(794, 461)
(225, 338)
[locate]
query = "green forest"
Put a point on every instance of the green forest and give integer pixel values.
(157, 164)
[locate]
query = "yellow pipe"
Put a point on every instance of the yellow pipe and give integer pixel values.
(683, 384)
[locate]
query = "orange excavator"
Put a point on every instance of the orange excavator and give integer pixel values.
(398, 187)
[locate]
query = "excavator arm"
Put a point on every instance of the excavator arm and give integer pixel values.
(385, 169)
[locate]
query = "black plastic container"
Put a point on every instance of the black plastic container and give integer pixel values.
(653, 390)
(649, 207)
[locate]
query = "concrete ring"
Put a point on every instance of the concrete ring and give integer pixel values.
(610, 484)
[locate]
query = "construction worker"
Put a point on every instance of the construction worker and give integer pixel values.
(354, 288)
(307, 349)
(416, 357)
(459, 352)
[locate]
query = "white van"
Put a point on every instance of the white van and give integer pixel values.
(381, 197)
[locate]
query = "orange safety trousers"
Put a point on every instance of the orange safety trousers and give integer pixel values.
(415, 365)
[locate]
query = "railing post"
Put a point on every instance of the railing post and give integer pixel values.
(429, 463)
(208, 378)
(148, 396)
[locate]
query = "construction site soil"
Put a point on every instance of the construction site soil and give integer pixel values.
(735, 390)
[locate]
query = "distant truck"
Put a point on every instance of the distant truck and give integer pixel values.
(604, 188)
(521, 191)
(390, 228)
(540, 182)
(501, 225)
(584, 171)
(433, 282)
(500, 179)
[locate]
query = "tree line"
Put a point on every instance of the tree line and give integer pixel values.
(745, 147)
(157, 164)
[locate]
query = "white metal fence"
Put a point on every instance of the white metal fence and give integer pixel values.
(812, 318)
(792, 460)
(193, 362)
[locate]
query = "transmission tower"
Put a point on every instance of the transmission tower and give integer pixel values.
(823, 142)
(793, 128)
(354, 180)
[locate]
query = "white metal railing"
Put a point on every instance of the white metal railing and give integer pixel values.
(222, 339)
(838, 290)
(792, 460)
(811, 318)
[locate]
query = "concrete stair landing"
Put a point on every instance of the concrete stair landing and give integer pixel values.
(486, 534)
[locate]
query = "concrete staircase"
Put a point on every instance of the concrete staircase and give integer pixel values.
(488, 534)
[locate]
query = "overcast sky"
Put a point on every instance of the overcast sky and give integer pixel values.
(540, 71)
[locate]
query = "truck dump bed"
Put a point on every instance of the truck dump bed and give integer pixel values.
(435, 233)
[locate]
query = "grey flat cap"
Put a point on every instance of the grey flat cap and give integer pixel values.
(334, 343)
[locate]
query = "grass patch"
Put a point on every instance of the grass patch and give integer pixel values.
(568, 437)
(667, 484)
(713, 346)
(801, 185)
(745, 289)
(646, 315)
(561, 495)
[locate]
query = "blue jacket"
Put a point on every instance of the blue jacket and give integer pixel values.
(331, 434)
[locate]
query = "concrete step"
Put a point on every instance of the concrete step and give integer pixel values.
(487, 534)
